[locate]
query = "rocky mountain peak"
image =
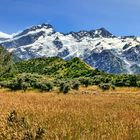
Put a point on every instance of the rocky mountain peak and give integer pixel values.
(99, 48)
(101, 32)
(35, 28)
(44, 25)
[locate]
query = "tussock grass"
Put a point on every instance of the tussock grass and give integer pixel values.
(86, 114)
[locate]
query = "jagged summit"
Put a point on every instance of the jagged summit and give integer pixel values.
(43, 25)
(36, 28)
(99, 48)
(101, 32)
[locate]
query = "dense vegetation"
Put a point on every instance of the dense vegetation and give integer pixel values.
(47, 73)
(57, 67)
(7, 66)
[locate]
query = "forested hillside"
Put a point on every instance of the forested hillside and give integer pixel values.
(7, 66)
(57, 67)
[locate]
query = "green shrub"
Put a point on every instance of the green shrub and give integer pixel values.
(25, 85)
(64, 87)
(113, 87)
(61, 86)
(21, 82)
(125, 80)
(138, 83)
(15, 84)
(85, 81)
(75, 85)
(4, 84)
(105, 86)
(44, 86)
(97, 79)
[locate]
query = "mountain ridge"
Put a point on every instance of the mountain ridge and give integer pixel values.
(99, 48)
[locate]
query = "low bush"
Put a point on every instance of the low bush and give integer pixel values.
(75, 85)
(64, 87)
(20, 128)
(85, 81)
(106, 86)
(21, 82)
(138, 83)
(44, 86)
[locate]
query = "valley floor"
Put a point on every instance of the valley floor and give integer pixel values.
(87, 114)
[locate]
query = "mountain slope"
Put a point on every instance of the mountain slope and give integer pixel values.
(98, 48)
(57, 67)
(6, 63)
(4, 36)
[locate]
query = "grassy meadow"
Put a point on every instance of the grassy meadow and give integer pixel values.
(86, 114)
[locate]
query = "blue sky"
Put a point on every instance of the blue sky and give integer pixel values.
(121, 17)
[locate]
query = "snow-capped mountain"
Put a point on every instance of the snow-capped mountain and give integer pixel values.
(4, 36)
(99, 48)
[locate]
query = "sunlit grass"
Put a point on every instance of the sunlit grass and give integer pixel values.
(86, 114)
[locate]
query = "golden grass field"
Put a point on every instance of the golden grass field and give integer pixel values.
(87, 114)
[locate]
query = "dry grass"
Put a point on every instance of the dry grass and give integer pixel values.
(87, 114)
